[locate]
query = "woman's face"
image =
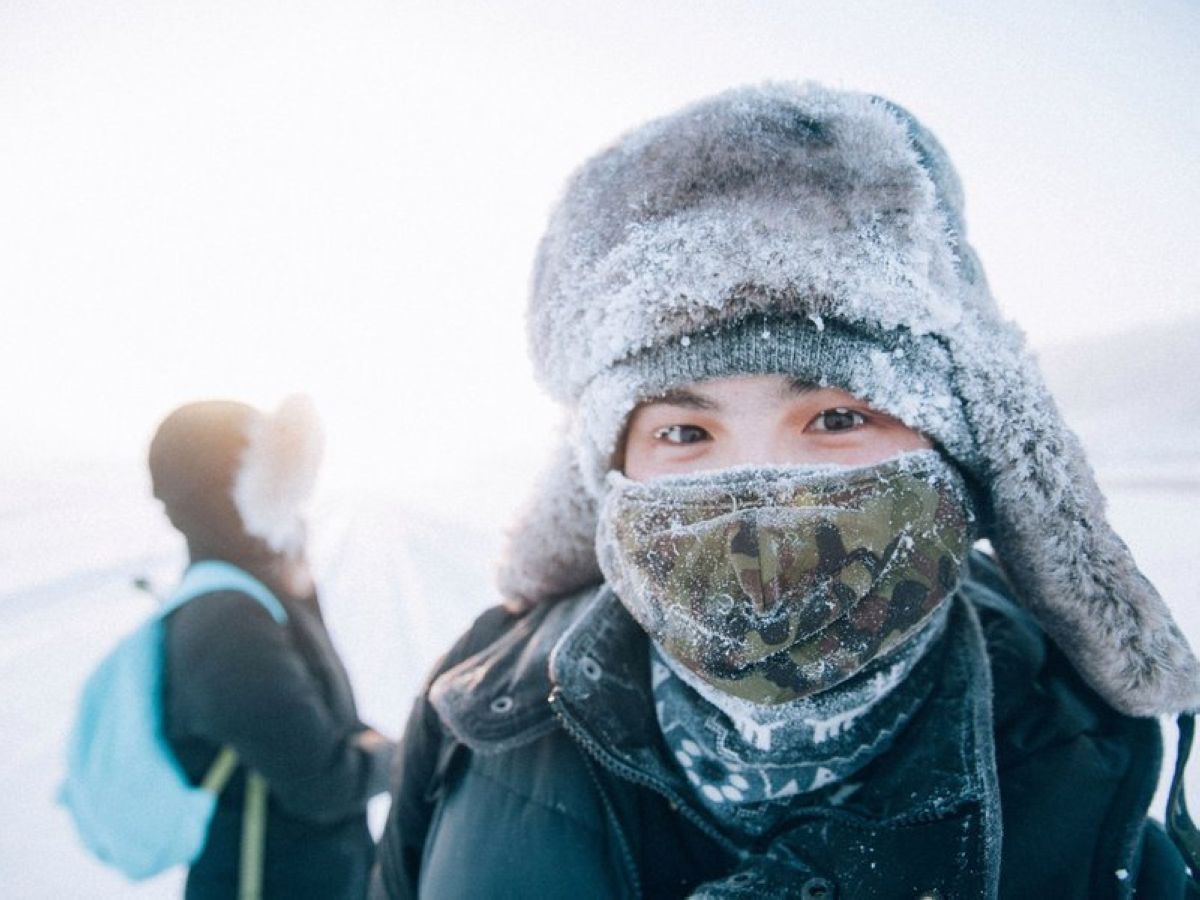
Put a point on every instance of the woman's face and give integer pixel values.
(758, 420)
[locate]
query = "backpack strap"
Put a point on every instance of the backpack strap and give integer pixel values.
(219, 772)
(207, 577)
(254, 834)
(1180, 826)
(254, 821)
(211, 575)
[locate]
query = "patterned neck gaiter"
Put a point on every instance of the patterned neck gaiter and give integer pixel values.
(777, 583)
(746, 761)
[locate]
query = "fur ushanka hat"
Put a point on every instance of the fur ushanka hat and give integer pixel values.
(817, 220)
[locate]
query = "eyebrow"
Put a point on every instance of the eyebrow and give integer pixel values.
(801, 386)
(684, 398)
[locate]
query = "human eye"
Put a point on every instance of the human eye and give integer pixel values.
(838, 419)
(681, 434)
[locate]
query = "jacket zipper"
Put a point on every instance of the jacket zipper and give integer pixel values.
(629, 773)
(631, 870)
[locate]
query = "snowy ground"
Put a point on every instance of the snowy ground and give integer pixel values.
(398, 585)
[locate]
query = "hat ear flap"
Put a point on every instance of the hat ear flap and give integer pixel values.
(277, 472)
(551, 550)
(1048, 526)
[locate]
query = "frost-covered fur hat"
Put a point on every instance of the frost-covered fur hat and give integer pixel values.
(826, 221)
(234, 480)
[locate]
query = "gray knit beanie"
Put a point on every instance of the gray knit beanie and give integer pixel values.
(908, 376)
(819, 233)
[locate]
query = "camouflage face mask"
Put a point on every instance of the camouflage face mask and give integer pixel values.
(778, 583)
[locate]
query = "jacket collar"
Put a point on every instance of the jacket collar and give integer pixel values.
(589, 653)
(496, 699)
(583, 664)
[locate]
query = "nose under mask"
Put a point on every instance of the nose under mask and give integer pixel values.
(780, 582)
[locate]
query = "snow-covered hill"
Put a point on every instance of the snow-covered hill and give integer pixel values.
(1133, 398)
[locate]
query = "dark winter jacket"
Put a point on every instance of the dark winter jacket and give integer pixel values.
(533, 767)
(280, 696)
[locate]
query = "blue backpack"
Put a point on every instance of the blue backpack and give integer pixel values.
(133, 806)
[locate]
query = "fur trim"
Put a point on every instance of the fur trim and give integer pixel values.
(551, 550)
(807, 202)
(277, 472)
(1051, 534)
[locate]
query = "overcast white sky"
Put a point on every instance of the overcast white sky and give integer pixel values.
(250, 198)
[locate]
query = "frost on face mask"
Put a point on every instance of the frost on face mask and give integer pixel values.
(777, 583)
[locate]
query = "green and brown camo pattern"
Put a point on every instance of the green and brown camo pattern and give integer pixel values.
(774, 584)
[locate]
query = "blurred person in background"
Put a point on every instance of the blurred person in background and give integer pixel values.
(234, 481)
